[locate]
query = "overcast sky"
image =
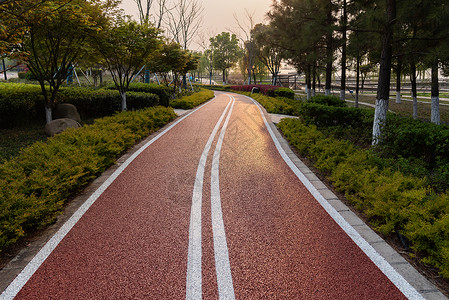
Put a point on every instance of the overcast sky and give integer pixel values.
(218, 14)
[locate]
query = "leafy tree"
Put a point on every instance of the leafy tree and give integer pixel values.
(226, 51)
(171, 58)
(269, 51)
(56, 37)
(125, 47)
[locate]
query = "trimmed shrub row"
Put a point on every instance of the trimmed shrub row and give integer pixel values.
(37, 183)
(188, 102)
(392, 201)
(99, 103)
(162, 91)
(268, 90)
(22, 103)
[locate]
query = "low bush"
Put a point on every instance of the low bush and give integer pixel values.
(327, 100)
(162, 91)
(188, 102)
(224, 88)
(392, 201)
(37, 183)
(268, 90)
(326, 116)
(282, 93)
(99, 103)
(22, 103)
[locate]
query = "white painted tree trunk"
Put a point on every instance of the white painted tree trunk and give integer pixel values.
(48, 114)
(398, 98)
(380, 118)
(356, 104)
(313, 92)
(123, 101)
(309, 93)
(415, 108)
(435, 113)
(327, 92)
(342, 95)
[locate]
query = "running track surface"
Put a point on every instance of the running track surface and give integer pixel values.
(149, 235)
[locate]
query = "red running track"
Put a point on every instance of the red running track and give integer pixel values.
(133, 241)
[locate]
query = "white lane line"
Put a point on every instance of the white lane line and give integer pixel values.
(222, 265)
(406, 288)
(13, 289)
(194, 277)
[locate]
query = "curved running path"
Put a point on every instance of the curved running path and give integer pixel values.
(208, 210)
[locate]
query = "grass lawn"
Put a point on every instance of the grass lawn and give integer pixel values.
(406, 108)
(13, 140)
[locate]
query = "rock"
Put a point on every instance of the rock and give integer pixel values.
(67, 110)
(59, 125)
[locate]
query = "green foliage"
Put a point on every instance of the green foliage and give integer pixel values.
(188, 102)
(37, 183)
(26, 75)
(282, 93)
(125, 47)
(161, 90)
(414, 140)
(325, 116)
(226, 51)
(327, 100)
(393, 201)
(22, 103)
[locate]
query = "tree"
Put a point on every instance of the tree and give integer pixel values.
(249, 45)
(53, 42)
(145, 11)
(125, 47)
(226, 52)
(171, 58)
(383, 85)
(269, 53)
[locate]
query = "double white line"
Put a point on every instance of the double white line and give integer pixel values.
(222, 265)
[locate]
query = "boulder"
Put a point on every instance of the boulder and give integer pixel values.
(59, 125)
(67, 110)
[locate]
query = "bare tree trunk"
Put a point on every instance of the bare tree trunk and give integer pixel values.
(329, 54)
(398, 82)
(343, 55)
(435, 95)
(308, 82)
(383, 87)
(48, 114)
(314, 80)
(414, 92)
(4, 69)
(123, 94)
(357, 87)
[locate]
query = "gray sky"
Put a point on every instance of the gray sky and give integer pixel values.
(218, 14)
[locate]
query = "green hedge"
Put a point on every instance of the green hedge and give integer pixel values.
(37, 183)
(22, 103)
(327, 100)
(424, 144)
(188, 102)
(99, 103)
(162, 91)
(282, 93)
(392, 201)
